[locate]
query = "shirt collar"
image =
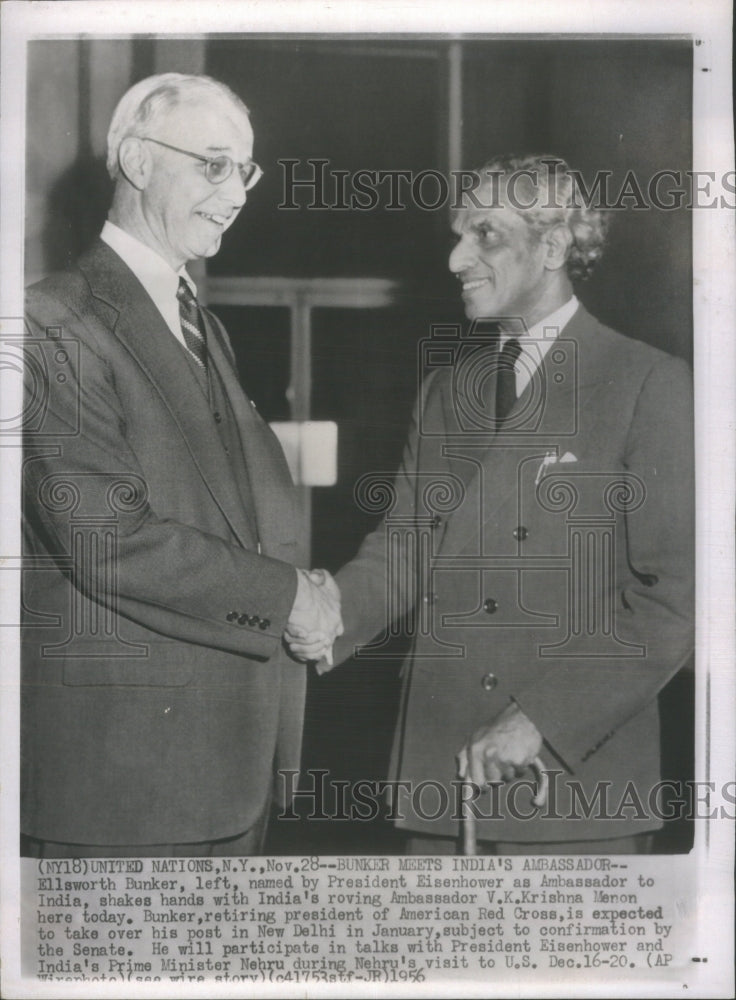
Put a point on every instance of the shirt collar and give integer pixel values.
(537, 341)
(548, 328)
(157, 277)
(551, 326)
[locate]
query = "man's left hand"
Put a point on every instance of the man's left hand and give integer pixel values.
(500, 751)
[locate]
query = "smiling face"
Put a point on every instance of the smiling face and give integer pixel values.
(181, 214)
(502, 263)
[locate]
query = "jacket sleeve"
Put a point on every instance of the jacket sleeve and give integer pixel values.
(379, 588)
(578, 704)
(168, 576)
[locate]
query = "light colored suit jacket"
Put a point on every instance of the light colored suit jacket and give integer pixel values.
(552, 566)
(157, 698)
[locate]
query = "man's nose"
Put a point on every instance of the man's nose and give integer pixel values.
(460, 256)
(234, 190)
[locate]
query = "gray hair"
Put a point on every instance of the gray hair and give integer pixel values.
(142, 107)
(558, 200)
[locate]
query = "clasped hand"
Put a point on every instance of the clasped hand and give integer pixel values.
(315, 620)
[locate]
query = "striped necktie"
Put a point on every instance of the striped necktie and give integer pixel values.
(506, 379)
(191, 327)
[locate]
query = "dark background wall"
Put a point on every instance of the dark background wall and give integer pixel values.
(377, 104)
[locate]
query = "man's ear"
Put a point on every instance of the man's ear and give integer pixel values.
(135, 162)
(557, 243)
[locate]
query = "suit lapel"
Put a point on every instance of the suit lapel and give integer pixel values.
(270, 479)
(133, 318)
(555, 410)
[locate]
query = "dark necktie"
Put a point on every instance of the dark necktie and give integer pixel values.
(506, 379)
(191, 327)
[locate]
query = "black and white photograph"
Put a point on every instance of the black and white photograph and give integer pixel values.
(368, 500)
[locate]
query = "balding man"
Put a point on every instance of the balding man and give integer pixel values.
(158, 698)
(541, 523)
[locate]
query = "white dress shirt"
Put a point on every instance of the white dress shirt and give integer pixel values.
(537, 341)
(157, 277)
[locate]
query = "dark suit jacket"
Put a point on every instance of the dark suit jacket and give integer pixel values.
(566, 586)
(157, 699)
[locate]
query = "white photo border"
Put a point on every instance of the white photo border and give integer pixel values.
(708, 23)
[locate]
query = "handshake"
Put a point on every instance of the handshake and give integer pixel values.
(315, 620)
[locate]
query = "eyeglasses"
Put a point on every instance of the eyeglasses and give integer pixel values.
(217, 169)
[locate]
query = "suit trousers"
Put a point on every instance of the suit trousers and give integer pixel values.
(248, 843)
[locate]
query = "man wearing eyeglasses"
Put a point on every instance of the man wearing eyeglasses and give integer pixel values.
(158, 697)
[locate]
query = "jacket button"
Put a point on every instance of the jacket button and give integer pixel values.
(231, 616)
(520, 533)
(218, 417)
(243, 620)
(264, 623)
(489, 682)
(253, 620)
(490, 605)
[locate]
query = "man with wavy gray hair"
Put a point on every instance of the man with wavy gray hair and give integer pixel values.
(158, 698)
(540, 545)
